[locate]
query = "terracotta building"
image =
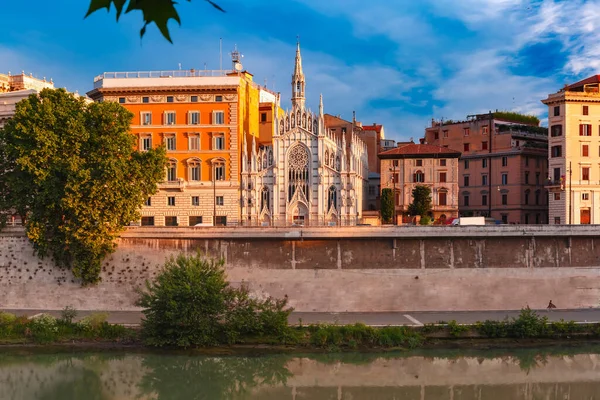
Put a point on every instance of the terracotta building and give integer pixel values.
(372, 136)
(501, 175)
(410, 165)
(573, 154)
(200, 117)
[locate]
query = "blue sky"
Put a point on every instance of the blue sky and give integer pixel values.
(398, 62)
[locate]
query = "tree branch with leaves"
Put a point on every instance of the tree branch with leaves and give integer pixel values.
(158, 12)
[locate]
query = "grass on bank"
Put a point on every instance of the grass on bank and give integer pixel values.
(46, 329)
(190, 304)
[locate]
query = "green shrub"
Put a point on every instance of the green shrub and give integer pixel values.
(93, 321)
(425, 220)
(68, 314)
(43, 329)
(529, 325)
(493, 329)
(457, 329)
(7, 318)
(191, 304)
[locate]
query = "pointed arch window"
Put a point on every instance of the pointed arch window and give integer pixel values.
(264, 160)
(337, 163)
(298, 176)
(316, 127)
(326, 157)
(270, 157)
(310, 124)
(265, 199)
(298, 86)
(304, 120)
(332, 198)
(293, 119)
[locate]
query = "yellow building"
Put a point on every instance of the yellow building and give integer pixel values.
(14, 88)
(200, 117)
(573, 153)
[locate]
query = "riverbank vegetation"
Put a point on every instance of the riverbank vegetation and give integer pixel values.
(190, 304)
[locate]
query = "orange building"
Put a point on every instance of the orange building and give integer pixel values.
(501, 175)
(199, 116)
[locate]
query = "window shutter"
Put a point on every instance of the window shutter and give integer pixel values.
(580, 130)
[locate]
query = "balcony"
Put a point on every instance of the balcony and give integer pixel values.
(179, 184)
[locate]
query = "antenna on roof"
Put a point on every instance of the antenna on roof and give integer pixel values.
(220, 54)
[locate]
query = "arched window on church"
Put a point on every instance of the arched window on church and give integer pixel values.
(264, 160)
(332, 160)
(281, 127)
(293, 118)
(332, 198)
(310, 124)
(270, 157)
(315, 127)
(304, 120)
(419, 176)
(337, 163)
(265, 198)
(326, 157)
(298, 176)
(298, 86)
(287, 123)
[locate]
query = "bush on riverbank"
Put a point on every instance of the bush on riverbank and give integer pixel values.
(528, 325)
(191, 304)
(46, 329)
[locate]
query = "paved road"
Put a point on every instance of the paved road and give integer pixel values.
(374, 319)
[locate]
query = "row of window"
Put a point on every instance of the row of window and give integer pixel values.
(585, 110)
(503, 199)
(484, 179)
(195, 201)
(558, 177)
(170, 141)
(466, 132)
(194, 171)
(557, 151)
(467, 146)
(219, 220)
(170, 99)
(442, 162)
(193, 118)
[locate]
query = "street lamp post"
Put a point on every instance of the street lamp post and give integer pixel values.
(570, 191)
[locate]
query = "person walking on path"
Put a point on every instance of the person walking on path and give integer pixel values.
(550, 306)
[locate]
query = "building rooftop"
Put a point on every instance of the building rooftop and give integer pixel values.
(580, 86)
(419, 150)
(374, 127)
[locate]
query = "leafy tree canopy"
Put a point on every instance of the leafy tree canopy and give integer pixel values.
(71, 171)
(421, 204)
(157, 11)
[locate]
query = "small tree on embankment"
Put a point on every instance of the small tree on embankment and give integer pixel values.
(191, 304)
(387, 205)
(71, 168)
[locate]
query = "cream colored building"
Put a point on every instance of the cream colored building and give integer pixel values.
(574, 153)
(410, 165)
(14, 88)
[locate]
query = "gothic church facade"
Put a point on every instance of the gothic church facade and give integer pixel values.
(307, 175)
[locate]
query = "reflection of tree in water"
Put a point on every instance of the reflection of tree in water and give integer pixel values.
(195, 378)
(80, 383)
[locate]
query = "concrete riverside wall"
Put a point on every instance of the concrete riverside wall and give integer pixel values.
(363, 269)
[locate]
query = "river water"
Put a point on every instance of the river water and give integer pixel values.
(559, 374)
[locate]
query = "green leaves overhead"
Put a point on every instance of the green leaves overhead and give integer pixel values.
(71, 171)
(157, 11)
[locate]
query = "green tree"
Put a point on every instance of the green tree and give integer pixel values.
(190, 304)
(72, 170)
(387, 205)
(157, 11)
(421, 204)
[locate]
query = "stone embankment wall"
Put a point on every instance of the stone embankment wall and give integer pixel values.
(350, 269)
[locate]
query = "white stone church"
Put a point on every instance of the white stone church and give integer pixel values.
(307, 175)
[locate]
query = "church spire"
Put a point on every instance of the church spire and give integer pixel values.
(298, 82)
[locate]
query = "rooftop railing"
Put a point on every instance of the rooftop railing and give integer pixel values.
(182, 73)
